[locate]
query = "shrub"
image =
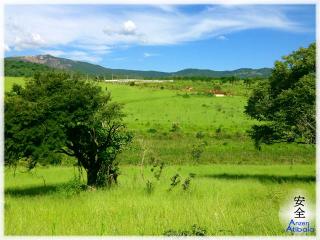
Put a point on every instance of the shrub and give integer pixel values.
(187, 181)
(74, 186)
(200, 135)
(194, 231)
(175, 180)
(175, 127)
(152, 130)
(197, 151)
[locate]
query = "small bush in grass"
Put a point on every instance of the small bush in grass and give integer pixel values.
(218, 130)
(152, 130)
(74, 186)
(175, 127)
(200, 135)
(197, 150)
(205, 105)
(175, 180)
(194, 231)
(132, 83)
(157, 170)
(219, 107)
(149, 187)
(187, 181)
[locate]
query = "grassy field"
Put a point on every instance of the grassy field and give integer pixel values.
(214, 201)
(237, 190)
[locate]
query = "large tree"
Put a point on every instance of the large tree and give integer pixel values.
(58, 113)
(285, 103)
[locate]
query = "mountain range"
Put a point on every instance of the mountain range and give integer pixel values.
(93, 69)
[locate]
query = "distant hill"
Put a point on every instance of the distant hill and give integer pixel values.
(19, 68)
(93, 69)
(241, 73)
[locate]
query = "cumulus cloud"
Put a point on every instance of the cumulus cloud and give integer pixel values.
(100, 29)
(26, 41)
(129, 27)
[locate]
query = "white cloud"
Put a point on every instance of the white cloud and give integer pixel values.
(129, 27)
(167, 8)
(74, 55)
(56, 53)
(146, 54)
(98, 31)
(6, 48)
(83, 56)
(221, 37)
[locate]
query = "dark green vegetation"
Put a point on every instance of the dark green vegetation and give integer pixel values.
(22, 69)
(287, 102)
(96, 70)
(191, 169)
(60, 114)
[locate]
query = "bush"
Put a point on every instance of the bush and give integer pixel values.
(175, 127)
(197, 151)
(200, 135)
(74, 186)
(194, 231)
(152, 130)
(175, 180)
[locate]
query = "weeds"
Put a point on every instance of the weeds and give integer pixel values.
(175, 180)
(149, 187)
(197, 150)
(199, 135)
(175, 127)
(156, 169)
(194, 231)
(187, 181)
(73, 187)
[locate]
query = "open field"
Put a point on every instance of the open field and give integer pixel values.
(216, 124)
(237, 190)
(215, 201)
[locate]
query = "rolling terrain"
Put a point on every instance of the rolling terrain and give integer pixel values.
(93, 69)
(194, 134)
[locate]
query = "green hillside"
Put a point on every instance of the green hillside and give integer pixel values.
(108, 73)
(15, 68)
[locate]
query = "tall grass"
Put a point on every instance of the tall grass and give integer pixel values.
(222, 206)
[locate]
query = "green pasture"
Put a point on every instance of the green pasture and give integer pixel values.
(236, 190)
(218, 124)
(222, 199)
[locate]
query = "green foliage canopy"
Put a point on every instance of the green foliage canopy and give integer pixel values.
(57, 113)
(286, 103)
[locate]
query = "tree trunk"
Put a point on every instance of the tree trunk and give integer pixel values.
(92, 175)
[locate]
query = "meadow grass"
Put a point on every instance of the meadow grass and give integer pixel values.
(152, 112)
(222, 206)
(237, 189)
(9, 81)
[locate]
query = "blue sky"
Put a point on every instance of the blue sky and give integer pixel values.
(161, 37)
